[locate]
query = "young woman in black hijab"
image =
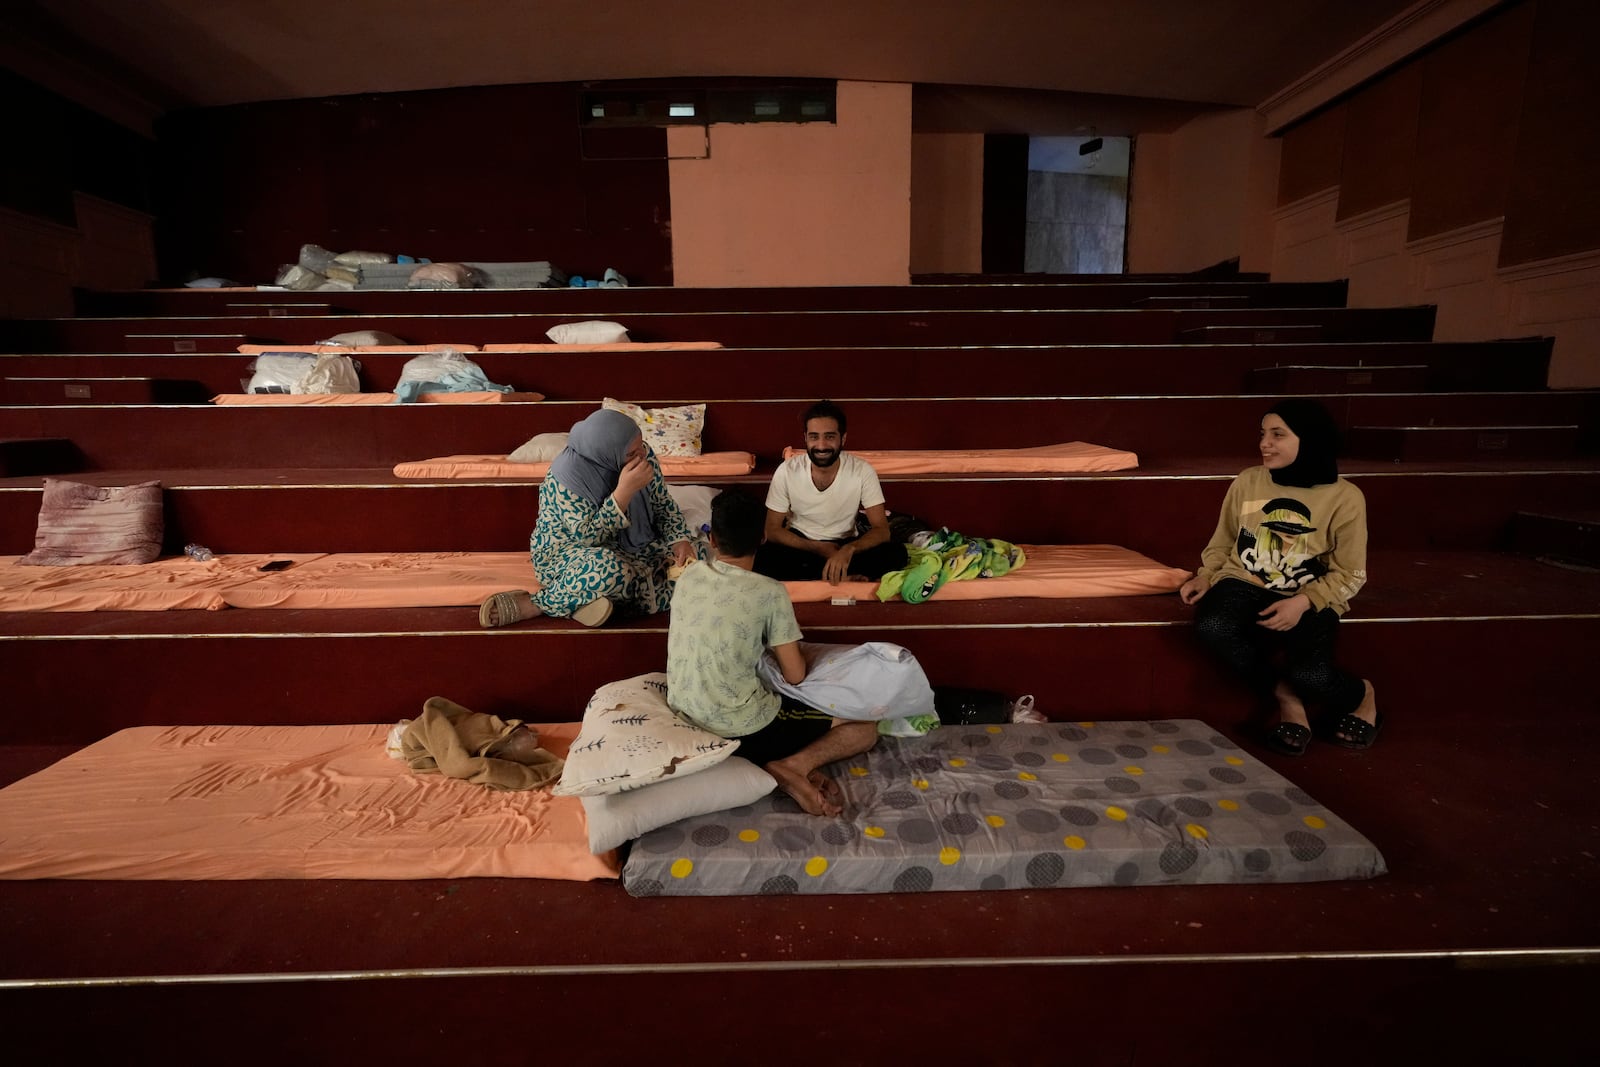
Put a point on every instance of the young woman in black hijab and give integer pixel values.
(1288, 554)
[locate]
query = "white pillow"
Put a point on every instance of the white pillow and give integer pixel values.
(363, 337)
(630, 738)
(541, 449)
(695, 503)
(670, 431)
(623, 816)
(593, 332)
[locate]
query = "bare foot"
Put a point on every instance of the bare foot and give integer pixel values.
(1290, 707)
(803, 788)
(1368, 709)
(832, 795)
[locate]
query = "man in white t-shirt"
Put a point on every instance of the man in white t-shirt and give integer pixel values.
(812, 509)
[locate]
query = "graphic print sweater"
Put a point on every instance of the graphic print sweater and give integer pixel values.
(1291, 539)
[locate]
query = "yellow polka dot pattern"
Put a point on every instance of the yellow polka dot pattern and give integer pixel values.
(1022, 803)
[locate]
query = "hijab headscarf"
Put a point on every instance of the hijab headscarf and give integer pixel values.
(589, 466)
(1317, 463)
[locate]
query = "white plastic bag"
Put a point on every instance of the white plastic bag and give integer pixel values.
(868, 682)
(302, 372)
(331, 374)
(437, 367)
(298, 278)
(279, 372)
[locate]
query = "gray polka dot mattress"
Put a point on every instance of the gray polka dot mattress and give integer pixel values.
(1018, 807)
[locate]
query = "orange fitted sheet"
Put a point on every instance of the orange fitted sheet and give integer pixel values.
(203, 803)
(366, 399)
(387, 580)
(621, 346)
(1058, 571)
(705, 465)
(1067, 457)
(256, 350)
(165, 585)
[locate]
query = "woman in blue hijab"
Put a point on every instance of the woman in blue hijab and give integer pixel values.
(607, 531)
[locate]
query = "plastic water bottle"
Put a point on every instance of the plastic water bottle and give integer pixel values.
(199, 552)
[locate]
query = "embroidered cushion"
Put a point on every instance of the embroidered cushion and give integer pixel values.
(630, 738)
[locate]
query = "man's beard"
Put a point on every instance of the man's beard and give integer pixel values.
(822, 457)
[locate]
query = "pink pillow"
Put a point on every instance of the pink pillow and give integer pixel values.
(97, 525)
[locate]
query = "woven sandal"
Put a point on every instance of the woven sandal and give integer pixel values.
(594, 612)
(501, 607)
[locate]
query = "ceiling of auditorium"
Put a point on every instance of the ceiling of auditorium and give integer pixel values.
(185, 53)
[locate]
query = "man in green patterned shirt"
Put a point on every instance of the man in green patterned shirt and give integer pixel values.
(724, 619)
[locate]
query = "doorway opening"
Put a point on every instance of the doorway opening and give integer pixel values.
(1077, 212)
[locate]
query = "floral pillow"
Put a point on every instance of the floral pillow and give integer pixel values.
(97, 525)
(669, 431)
(631, 737)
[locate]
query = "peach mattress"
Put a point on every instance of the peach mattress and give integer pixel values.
(706, 465)
(256, 350)
(366, 399)
(465, 579)
(1051, 571)
(201, 803)
(620, 346)
(1067, 457)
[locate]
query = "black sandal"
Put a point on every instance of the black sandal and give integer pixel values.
(1352, 731)
(1288, 739)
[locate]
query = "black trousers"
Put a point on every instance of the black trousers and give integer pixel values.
(797, 565)
(1226, 619)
